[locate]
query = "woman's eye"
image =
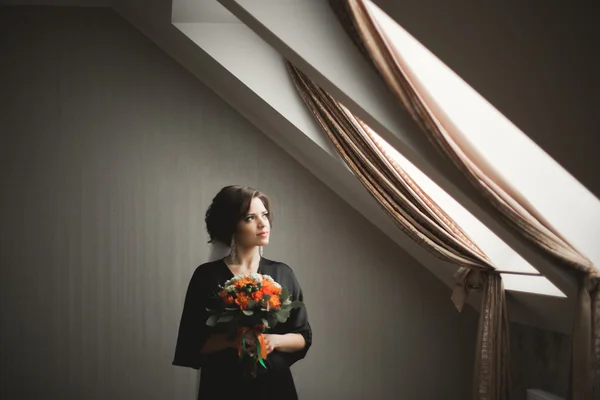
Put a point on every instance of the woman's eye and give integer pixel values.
(248, 219)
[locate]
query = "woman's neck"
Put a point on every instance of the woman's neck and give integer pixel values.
(246, 260)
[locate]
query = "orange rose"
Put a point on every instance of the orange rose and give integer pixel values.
(242, 300)
(268, 289)
(239, 284)
(228, 300)
(257, 295)
(274, 302)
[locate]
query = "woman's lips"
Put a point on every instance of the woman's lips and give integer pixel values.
(263, 234)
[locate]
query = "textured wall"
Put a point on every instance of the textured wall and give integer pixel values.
(110, 155)
(540, 360)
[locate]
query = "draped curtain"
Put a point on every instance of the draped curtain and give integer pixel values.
(511, 207)
(426, 223)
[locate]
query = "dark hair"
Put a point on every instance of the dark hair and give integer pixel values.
(229, 207)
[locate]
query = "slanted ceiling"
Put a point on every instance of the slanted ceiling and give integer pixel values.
(242, 62)
(534, 61)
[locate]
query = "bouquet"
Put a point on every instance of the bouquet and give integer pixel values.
(249, 305)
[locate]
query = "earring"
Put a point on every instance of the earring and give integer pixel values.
(260, 251)
(232, 250)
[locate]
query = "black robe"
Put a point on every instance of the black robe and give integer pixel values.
(221, 373)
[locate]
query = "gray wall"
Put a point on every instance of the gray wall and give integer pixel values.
(110, 155)
(540, 360)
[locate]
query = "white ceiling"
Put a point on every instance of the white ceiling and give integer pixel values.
(209, 11)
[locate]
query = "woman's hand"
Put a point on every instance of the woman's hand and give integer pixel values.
(286, 343)
(271, 342)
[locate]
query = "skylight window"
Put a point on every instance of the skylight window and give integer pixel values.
(501, 255)
(566, 204)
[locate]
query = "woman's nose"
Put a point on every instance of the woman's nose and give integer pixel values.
(262, 221)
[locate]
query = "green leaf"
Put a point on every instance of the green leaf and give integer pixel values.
(248, 312)
(283, 315)
(285, 294)
(286, 302)
(212, 320)
(272, 318)
(251, 303)
(267, 297)
(232, 309)
(297, 304)
(225, 318)
(265, 322)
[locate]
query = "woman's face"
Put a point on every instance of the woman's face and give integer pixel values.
(254, 228)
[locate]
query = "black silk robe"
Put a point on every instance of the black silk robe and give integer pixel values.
(221, 373)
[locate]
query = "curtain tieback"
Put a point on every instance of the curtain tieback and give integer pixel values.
(466, 280)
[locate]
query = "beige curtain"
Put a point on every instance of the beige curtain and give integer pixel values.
(513, 208)
(426, 223)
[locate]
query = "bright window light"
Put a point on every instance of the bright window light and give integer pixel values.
(566, 204)
(501, 255)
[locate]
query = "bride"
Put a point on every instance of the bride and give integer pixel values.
(240, 217)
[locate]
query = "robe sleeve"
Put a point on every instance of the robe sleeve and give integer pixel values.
(298, 322)
(193, 331)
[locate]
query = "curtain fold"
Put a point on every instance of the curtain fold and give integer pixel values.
(423, 221)
(492, 360)
(510, 205)
(595, 304)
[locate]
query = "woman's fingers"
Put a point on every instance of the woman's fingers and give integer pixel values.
(269, 343)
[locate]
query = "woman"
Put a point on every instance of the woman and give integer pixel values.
(240, 217)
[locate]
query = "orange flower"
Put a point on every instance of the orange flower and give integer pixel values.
(271, 289)
(274, 302)
(242, 300)
(257, 295)
(228, 300)
(240, 284)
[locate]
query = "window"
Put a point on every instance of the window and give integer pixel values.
(568, 206)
